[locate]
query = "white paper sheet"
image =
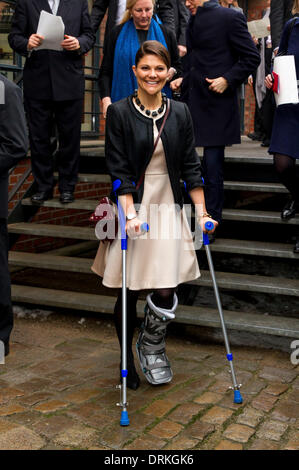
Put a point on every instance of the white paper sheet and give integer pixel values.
(51, 27)
(285, 68)
(259, 28)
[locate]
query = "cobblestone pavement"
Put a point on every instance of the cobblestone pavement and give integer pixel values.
(57, 391)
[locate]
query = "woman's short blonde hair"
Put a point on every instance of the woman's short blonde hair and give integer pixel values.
(295, 7)
(130, 4)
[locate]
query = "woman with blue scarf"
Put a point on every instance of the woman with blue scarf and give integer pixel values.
(117, 80)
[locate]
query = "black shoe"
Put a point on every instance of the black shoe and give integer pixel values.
(6, 348)
(40, 197)
(66, 197)
(265, 143)
(289, 210)
(296, 247)
(255, 136)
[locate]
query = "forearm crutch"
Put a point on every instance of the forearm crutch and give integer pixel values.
(236, 387)
(124, 420)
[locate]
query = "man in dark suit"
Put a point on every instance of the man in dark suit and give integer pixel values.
(53, 90)
(13, 146)
(280, 13)
(221, 55)
(116, 8)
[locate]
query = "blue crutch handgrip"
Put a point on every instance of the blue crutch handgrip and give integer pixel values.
(208, 226)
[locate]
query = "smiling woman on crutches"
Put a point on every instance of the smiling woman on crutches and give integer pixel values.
(148, 170)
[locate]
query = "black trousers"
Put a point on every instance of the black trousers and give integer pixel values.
(212, 165)
(67, 116)
(6, 315)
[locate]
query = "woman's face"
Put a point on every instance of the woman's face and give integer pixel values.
(192, 5)
(142, 13)
(151, 74)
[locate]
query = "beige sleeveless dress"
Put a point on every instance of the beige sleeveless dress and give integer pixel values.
(164, 257)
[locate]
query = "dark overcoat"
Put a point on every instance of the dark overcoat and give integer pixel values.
(13, 135)
(52, 75)
(219, 45)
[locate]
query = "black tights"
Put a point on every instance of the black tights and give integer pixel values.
(161, 298)
(286, 170)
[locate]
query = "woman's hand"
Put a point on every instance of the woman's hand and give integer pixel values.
(269, 81)
(35, 40)
(133, 228)
(106, 102)
(250, 80)
(176, 84)
(203, 220)
(218, 85)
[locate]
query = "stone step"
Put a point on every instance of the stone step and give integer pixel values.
(50, 261)
(206, 317)
(256, 187)
(90, 178)
(257, 216)
(51, 230)
(254, 248)
(250, 283)
(79, 204)
(232, 281)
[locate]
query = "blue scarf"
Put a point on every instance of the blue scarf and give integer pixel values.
(124, 82)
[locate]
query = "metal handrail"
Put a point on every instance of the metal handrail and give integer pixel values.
(20, 183)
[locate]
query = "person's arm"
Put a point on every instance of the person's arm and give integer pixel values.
(97, 14)
(172, 47)
(86, 38)
(119, 169)
(106, 69)
(18, 37)
(165, 12)
(184, 16)
(276, 21)
(13, 129)
(191, 173)
(115, 152)
(242, 44)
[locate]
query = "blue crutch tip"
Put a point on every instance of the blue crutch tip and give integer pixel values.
(124, 419)
(238, 397)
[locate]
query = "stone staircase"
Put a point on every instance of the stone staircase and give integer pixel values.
(252, 232)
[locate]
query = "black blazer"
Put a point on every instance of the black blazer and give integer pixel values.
(164, 9)
(129, 145)
(52, 74)
(13, 135)
(280, 13)
(106, 70)
(219, 45)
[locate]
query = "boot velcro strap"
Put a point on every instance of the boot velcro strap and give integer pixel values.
(160, 365)
(155, 338)
(150, 349)
(158, 320)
